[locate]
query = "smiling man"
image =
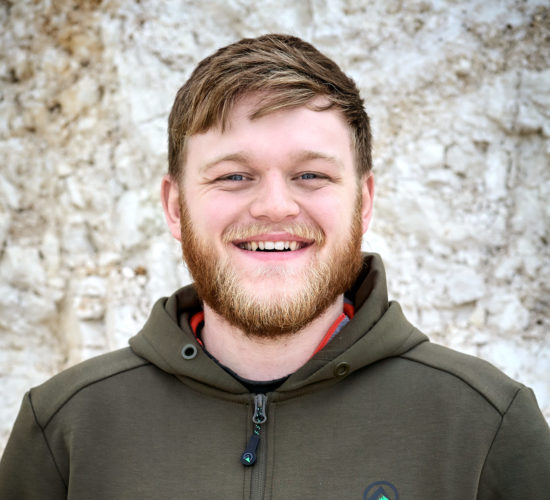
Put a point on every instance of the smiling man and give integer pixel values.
(283, 371)
(270, 212)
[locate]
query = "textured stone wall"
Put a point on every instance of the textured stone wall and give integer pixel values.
(459, 94)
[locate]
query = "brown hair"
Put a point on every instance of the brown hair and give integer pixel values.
(288, 71)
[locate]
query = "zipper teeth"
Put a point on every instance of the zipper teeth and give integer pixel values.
(258, 474)
(260, 471)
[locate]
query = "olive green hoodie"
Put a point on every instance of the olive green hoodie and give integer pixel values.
(380, 412)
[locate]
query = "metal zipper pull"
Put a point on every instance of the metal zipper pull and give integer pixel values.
(260, 402)
(258, 417)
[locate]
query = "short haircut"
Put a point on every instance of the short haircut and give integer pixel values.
(287, 71)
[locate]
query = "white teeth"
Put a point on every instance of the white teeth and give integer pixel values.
(270, 245)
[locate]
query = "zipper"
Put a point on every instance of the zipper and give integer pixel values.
(259, 417)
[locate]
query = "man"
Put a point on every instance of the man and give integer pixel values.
(283, 372)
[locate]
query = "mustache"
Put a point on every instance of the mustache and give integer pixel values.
(310, 232)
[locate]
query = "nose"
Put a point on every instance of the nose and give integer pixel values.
(274, 200)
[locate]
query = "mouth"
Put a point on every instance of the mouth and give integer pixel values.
(281, 240)
(272, 246)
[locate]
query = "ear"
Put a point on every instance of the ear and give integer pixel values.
(170, 197)
(367, 184)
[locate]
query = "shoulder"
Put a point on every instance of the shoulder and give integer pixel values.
(473, 374)
(49, 397)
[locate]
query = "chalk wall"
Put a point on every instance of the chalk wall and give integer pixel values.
(459, 95)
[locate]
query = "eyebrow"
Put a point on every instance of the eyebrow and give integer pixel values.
(307, 155)
(235, 157)
(298, 157)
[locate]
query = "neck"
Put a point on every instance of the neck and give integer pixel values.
(265, 359)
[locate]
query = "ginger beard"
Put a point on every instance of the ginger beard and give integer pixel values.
(280, 312)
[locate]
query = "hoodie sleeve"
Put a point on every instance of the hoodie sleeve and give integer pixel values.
(518, 462)
(27, 469)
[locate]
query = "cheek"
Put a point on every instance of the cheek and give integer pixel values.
(211, 213)
(333, 214)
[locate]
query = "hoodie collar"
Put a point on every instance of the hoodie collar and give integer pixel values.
(378, 330)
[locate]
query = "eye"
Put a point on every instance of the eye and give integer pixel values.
(233, 177)
(233, 181)
(309, 175)
(312, 181)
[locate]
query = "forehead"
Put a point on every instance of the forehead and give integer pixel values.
(284, 132)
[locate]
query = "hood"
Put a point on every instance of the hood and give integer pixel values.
(378, 330)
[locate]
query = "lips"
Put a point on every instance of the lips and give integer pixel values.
(268, 238)
(272, 246)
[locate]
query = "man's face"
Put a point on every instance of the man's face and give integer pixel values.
(272, 215)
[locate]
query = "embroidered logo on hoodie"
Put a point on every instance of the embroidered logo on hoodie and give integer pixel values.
(381, 490)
